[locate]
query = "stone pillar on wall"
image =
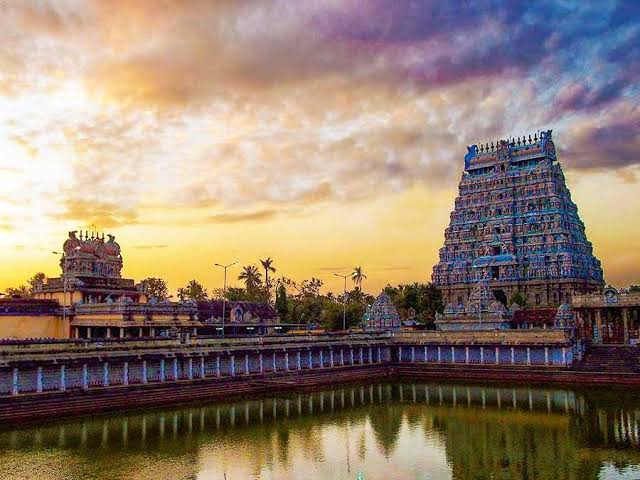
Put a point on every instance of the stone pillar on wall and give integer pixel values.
(125, 373)
(162, 374)
(203, 370)
(286, 361)
(232, 365)
(310, 359)
(190, 368)
(175, 369)
(625, 324)
(144, 372)
(546, 355)
(246, 364)
(39, 380)
(85, 376)
(105, 374)
(15, 381)
(321, 359)
(298, 362)
(260, 367)
(331, 357)
(218, 365)
(597, 333)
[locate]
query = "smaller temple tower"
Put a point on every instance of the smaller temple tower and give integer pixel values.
(382, 314)
(91, 273)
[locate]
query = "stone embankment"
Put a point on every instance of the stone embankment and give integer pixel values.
(39, 380)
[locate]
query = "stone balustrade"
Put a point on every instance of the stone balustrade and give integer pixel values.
(32, 368)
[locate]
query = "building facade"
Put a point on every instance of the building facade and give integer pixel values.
(611, 317)
(91, 300)
(514, 224)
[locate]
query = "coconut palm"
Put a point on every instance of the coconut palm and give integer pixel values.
(251, 276)
(358, 276)
(267, 264)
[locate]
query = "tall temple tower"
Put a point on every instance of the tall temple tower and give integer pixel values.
(514, 225)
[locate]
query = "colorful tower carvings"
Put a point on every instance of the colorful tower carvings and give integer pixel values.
(514, 224)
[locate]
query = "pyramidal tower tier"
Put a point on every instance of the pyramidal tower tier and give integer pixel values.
(514, 224)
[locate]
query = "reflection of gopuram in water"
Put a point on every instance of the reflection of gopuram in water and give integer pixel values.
(517, 432)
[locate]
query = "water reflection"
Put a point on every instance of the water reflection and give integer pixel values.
(437, 431)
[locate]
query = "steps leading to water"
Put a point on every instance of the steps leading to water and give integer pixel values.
(610, 359)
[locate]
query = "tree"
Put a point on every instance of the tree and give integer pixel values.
(156, 288)
(634, 289)
(193, 291)
(251, 276)
(423, 298)
(519, 299)
(267, 264)
(19, 291)
(358, 276)
(36, 282)
(282, 305)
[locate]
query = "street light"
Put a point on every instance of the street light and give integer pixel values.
(344, 301)
(224, 291)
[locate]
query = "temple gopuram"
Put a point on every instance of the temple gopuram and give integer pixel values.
(92, 270)
(515, 226)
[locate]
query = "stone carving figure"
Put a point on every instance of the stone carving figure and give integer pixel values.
(472, 152)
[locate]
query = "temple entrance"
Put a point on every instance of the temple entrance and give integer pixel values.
(500, 296)
(612, 332)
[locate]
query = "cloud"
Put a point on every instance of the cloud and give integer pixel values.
(102, 214)
(612, 142)
(253, 108)
(256, 216)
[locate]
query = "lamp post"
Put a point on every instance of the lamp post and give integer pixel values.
(224, 291)
(344, 301)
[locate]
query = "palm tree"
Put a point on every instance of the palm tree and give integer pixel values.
(267, 264)
(358, 276)
(251, 276)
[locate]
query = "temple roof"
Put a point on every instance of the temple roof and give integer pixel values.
(382, 311)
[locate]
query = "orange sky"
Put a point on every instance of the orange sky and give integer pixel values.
(200, 134)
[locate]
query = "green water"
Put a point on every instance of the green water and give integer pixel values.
(410, 431)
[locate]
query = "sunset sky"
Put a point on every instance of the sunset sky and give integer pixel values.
(325, 134)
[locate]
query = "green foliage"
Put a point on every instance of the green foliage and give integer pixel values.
(423, 300)
(193, 291)
(634, 289)
(282, 302)
(332, 314)
(36, 282)
(358, 276)
(19, 291)
(267, 264)
(156, 288)
(519, 299)
(26, 290)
